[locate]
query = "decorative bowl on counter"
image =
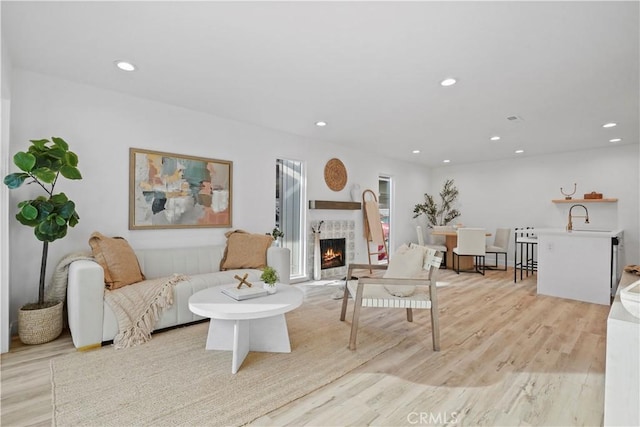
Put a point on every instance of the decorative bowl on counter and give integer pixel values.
(630, 297)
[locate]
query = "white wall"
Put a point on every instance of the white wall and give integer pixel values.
(100, 126)
(518, 192)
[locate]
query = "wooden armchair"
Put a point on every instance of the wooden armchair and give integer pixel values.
(419, 288)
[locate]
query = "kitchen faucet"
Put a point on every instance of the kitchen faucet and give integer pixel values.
(586, 217)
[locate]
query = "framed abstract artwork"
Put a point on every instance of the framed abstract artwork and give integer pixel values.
(169, 190)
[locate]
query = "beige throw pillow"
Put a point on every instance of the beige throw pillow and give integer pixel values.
(406, 263)
(245, 250)
(115, 255)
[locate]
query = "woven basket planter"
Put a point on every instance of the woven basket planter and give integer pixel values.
(40, 326)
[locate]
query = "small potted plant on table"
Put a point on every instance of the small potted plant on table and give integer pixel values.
(269, 277)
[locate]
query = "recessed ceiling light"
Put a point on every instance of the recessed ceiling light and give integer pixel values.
(519, 151)
(321, 124)
(615, 140)
(609, 125)
(416, 151)
(495, 138)
(125, 66)
(446, 161)
(448, 82)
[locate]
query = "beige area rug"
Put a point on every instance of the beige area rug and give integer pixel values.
(173, 380)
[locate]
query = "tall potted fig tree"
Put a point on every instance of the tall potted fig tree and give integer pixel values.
(50, 216)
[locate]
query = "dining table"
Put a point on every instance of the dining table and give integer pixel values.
(451, 241)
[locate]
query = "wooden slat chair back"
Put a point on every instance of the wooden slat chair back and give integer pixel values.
(373, 292)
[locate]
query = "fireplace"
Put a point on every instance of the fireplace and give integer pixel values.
(332, 253)
(343, 231)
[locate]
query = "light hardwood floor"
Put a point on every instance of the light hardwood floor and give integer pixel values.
(509, 357)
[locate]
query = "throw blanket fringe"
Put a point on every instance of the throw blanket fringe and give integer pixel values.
(138, 307)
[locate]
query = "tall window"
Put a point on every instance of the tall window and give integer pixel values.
(384, 205)
(290, 212)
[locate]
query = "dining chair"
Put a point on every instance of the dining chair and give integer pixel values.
(409, 282)
(499, 247)
(471, 242)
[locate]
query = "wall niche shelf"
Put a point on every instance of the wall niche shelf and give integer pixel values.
(326, 204)
(585, 201)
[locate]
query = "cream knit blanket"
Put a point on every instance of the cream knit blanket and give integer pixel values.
(57, 288)
(138, 306)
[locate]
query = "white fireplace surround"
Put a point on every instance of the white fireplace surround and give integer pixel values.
(333, 229)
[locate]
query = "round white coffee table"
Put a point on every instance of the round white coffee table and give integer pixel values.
(256, 324)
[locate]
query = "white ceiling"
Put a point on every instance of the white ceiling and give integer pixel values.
(369, 69)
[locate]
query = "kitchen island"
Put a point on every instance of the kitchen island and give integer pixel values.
(579, 265)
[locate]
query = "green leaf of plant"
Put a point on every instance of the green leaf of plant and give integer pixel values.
(44, 237)
(75, 218)
(56, 153)
(15, 180)
(70, 172)
(39, 143)
(50, 231)
(25, 161)
(71, 158)
(28, 222)
(60, 143)
(44, 208)
(48, 226)
(67, 210)
(29, 212)
(59, 199)
(60, 220)
(44, 174)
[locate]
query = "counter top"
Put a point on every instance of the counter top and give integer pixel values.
(618, 312)
(578, 233)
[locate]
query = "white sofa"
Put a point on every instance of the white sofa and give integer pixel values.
(92, 321)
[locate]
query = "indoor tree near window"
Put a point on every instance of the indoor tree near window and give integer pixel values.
(444, 214)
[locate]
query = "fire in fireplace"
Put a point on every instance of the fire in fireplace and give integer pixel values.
(332, 253)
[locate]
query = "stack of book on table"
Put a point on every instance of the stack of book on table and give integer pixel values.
(244, 292)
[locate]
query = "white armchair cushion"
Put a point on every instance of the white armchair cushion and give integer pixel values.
(406, 263)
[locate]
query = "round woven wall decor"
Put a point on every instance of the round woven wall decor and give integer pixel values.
(335, 174)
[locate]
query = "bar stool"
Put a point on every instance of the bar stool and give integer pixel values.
(526, 246)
